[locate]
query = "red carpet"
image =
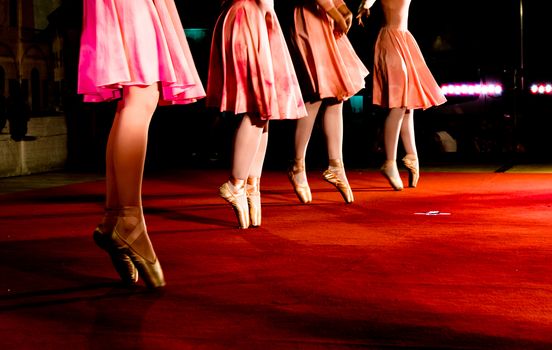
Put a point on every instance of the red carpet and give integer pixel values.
(378, 274)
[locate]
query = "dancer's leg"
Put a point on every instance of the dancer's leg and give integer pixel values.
(249, 145)
(253, 185)
(391, 133)
(258, 161)
(408, 138)
(303, 132)
(303, 129)
(297, 173)
(127, 242)
(407, 133)
(333, 129)
(111, 198)
(127, 144)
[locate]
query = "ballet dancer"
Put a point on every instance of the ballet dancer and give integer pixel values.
(252, 76)
(330, 72)
(134, 52)
(402, 82)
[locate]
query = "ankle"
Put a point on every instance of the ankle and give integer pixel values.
(336, 163)
(253, 185)
(298, 165)
(236, 186)
(109, 220)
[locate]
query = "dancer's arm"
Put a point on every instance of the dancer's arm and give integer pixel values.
(364, 10)
(345, 12)
(339, 12)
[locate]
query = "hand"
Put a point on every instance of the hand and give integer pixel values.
(363, 11)
(339, 20)
(347, 15)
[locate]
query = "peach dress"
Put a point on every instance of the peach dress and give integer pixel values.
(327, 64)
(401, 78)
(135, 42)
(250, 69)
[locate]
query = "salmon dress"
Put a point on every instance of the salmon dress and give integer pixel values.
(326, 62)
(250, 68)
(401, 78)
(135, 42)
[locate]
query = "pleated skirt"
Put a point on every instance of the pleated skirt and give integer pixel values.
(135, 42)
(250, 68)
(401, 77)
(326, 63)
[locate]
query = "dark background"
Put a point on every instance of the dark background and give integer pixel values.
(464, 41)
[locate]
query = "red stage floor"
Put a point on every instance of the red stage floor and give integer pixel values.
(462, 262)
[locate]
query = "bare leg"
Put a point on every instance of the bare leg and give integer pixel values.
(128, 142)
(128, 243)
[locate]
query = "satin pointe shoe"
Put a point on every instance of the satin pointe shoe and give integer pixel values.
(302, 190)
(410, 161)
(131, 238)
(121, 261)
(238, 201)
(391, 173)
(253, 193)
(335, 174)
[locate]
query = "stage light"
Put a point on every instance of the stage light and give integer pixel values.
(541, 89)
(472, 89)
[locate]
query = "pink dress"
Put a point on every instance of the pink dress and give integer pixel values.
(250, 69)
(327, 64)
(401, 77)
(135, 42)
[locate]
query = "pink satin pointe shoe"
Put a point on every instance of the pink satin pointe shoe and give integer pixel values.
(253, 193)
(302, 190)
(103, 236)
(390, 171)
(335, 174)
(238, 201)
(410, 161)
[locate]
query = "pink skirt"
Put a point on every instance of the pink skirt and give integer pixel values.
(401, 77)
(135, 42)
(328, 65)
(250, 69)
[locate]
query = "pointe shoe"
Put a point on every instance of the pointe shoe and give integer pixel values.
(238, 201)
(121, 261)
(302, 190)
(253, 193)
(391, 173)
(410, 161)
(130, 236)
(335, 174)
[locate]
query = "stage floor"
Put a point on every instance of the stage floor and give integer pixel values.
(461, 262)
